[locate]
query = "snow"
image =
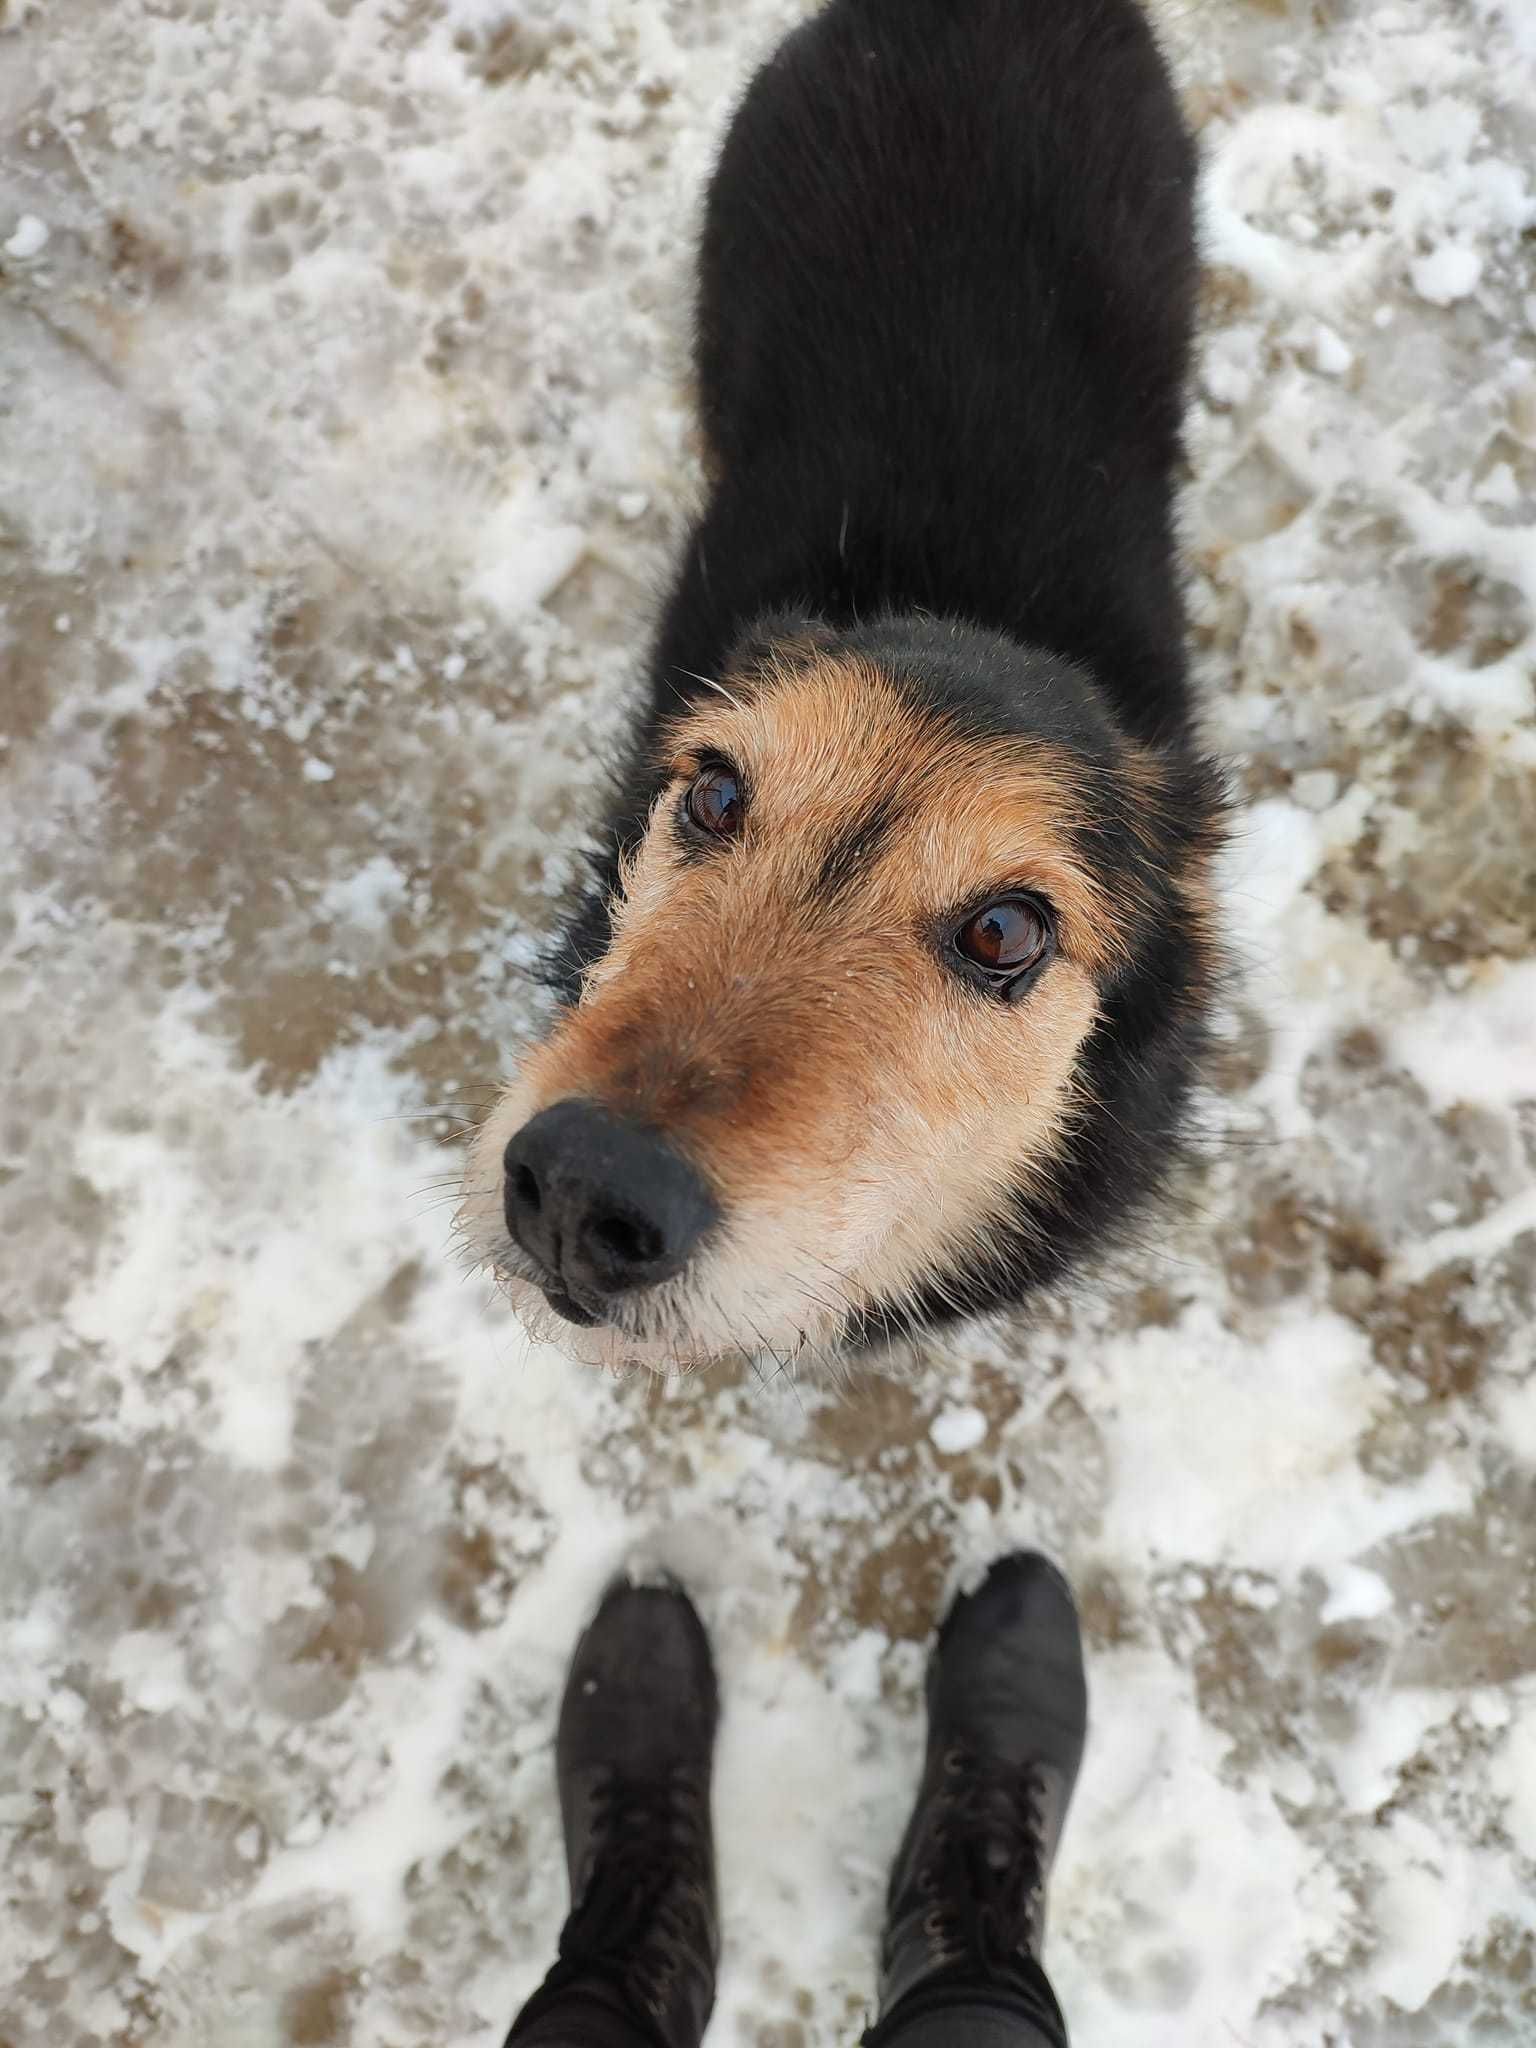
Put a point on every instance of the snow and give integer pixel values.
(346, 439)
(1447, 274)
(29, 238)
(954, 1430)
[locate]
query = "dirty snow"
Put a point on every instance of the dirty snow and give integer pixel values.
(345, 440)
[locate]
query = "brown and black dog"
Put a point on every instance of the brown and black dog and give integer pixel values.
(888, 1000)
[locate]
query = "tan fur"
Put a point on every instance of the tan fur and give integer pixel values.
(860, 1110)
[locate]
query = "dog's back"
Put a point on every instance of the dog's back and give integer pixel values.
(946, 289)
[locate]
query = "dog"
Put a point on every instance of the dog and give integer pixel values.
(887, 1003)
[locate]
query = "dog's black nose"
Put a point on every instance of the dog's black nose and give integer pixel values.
(604, 1206)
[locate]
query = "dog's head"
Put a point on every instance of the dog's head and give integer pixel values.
(908, 925)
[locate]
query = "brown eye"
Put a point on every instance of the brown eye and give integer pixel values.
(716, 803)
(1006, 938)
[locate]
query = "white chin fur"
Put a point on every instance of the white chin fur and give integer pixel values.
(691, 1347)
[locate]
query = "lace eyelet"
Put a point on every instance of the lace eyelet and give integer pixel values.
(655, 1989)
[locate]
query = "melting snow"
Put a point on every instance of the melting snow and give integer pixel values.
(346, 437)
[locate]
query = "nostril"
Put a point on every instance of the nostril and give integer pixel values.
(525, 1189)
(628, 1241)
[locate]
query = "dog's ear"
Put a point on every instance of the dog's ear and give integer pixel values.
(779, 640)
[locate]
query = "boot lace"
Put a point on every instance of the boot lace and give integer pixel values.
(644, 1916)
(984, 1872)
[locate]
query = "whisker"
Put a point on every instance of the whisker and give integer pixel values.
(712, 683)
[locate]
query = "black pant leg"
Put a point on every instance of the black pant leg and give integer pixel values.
(563, 2015)
(956, 2014)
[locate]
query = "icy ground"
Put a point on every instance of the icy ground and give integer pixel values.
(344, 435)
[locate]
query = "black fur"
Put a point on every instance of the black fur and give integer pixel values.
(946, 291)
(856, 848)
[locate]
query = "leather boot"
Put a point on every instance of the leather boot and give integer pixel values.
(633, 1757)
(1007, 1719)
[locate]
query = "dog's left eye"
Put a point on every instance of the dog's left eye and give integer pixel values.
(1005, 939)
(716, 803)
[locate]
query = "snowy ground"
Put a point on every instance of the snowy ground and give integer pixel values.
(344, 435)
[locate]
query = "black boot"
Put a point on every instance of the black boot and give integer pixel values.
(1007, 1719)
(633, 1755)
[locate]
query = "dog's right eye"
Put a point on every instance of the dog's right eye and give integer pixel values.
(1005, 941)
(717, 803)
